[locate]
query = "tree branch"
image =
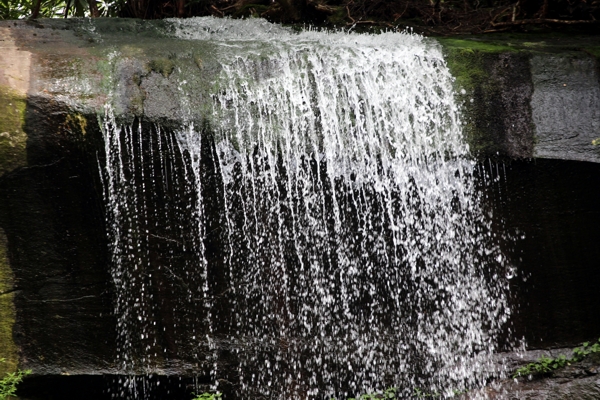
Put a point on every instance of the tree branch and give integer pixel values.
(36, 9)
(543, 21)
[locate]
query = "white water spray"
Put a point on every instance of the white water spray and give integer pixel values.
(333, 179)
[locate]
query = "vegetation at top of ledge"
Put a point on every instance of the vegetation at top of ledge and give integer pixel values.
(471, 46)
(442, 17)
(8, 383)
(547, 365)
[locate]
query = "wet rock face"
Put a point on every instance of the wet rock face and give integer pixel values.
(514, 90)
(51, 214)
(528, 100)
(499, 113)
(566, 106)
(494, 89)
(580, 380)
(549, 207)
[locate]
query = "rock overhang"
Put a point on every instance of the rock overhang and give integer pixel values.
(522, 96)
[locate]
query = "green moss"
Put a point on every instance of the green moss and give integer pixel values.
(76, 123)
(105, 69)
(8, 350)
(466, 45)
(13, 139)
(465, 59)
(466, 65)
(472, 80)
(198, 61)
(593, 50)
(163, 66)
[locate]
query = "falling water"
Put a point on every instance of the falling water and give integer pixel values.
(320, 231)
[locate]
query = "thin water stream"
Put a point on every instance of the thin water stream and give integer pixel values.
(319, 234)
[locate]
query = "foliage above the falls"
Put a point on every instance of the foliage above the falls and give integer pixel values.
(447, 17)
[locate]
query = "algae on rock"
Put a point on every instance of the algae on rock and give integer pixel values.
(8, 350)
(494, 85)
(12, 137)
(13, 155)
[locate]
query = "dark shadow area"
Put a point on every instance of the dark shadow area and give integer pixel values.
(91, 387)
(51, 211)
(104, 387)
(552, 209)
(53, 214)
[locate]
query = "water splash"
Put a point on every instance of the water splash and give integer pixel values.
(333, 236)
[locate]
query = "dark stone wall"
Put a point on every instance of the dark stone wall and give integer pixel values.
(525, 99)
(51, 212)
(496, 104)
(566, 106)
(550, 209)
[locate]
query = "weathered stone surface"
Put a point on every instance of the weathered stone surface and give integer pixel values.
(15, 64)
(495, 89)
(8, 350)
(52, 216)
(525, 98)
(54, 288)
(566, 106)
(514, 97)
(14, 79)
(579, 380)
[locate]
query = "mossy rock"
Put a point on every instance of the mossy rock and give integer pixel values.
(8, 350)
(472, 81)
(493, 86)
(471, 46)
(466, 59)
(593, 50)
(163, 66)
(13, 139)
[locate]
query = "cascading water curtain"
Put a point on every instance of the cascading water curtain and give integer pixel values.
(334, 242)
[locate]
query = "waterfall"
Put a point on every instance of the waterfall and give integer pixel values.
(319, 233)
